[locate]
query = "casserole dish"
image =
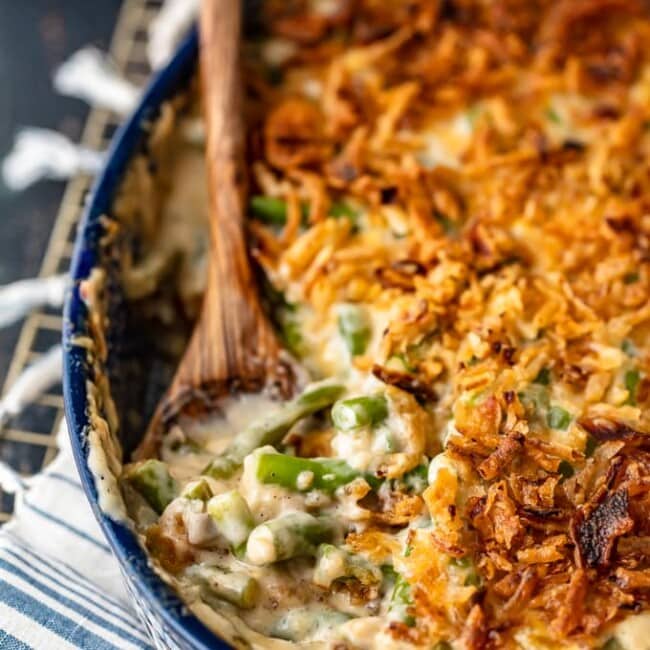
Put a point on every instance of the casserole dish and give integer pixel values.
(454, 235)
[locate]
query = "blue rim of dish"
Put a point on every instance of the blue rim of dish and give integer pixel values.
(158, 598)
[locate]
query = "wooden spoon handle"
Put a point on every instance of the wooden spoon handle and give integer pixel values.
(233, 348)
(234, 343)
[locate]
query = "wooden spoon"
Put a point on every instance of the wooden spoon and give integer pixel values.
(233, 348)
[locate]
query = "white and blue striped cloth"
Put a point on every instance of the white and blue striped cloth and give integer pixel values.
(60, 586)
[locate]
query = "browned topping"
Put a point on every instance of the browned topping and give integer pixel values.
(167, 543)
(605, 429)
(596, 531)
(572, 608)
(501, 457)
(400, 274)
(474, 634)
(498, 153)
(421, 391)
(294, 135)
(633, 580)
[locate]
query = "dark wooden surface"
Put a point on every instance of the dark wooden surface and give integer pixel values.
(35, 36)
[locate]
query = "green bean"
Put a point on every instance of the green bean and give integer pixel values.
(304, 474)
(304, 623)
(291, 335)
(389, 576)
(235, 587)
(417, 479)
(283, 314)
(271, 430)
(612, 644)
(232, 517)
(448, 225)
(186, 447)
(358, 412)
(292, 535)
(152, 480)
(339, 209)
(338, 564)
(414, 481)
(590, 446)
(354, 327)
(270, 209)
(543, 377)
(629, 348)
(390, 442)
(473, 579)
(553, 116)
(471, 575)
(400, 362)
(566, 469)
(197, 490)
(401, 601)
(535, 398)
(558, 418)
(442, 645)
(273, 210)
(632, 379)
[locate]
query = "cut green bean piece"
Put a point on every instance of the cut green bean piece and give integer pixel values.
(629, 348)
(566, 469)
(414, 481)
(153, 481)
(400, 362)
(197, 490)
(473, 579)
(417, 479)
(339, 209)
(304, 474)
(354, 327)
(553, 116)
(632, 379)
(442, 645)
(292, 535)
(543, 377)
(235, 587)
(401, 601)
(389, 578)
(273, 428)
(305, 623)
(468, 574)
(535, 398)
(338, 564)
(590, 446)
(358, 412)
(291, 335)
(612, 644)
(558, 418)
(271, 210)
(232, 517)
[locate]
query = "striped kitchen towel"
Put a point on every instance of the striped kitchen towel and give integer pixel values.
(60, 586)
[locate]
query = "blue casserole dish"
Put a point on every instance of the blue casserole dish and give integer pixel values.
(167, 620)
